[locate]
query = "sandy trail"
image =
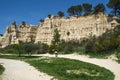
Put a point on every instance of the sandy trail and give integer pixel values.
(19, 70)
(109, 64)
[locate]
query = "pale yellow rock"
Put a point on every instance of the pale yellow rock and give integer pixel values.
(78, 27)
(14, 35)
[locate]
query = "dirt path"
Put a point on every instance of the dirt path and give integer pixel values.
(19, 70)
(106, 63)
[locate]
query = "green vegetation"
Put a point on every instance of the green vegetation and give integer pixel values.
(25, 48)
(30, 47)
(75, 10)
(100, 47)
(23, 57)
(60, 14)
(1, 69)
(41, 20)
(99, 8)
(67, 69)
(107, 42)
(18, 48)
(56, 37)
(118, 56)
(23, 23)
(115, 6)
(87, 8)
(55, 42)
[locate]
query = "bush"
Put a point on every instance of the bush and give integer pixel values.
(107, 42)
(43, 48)
(70, 46)
(28, 48)
(98, 46)
(8, 49)
(1, 69)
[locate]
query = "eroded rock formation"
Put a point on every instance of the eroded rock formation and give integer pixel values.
(75, 28)
(22, 33)
(71, 28)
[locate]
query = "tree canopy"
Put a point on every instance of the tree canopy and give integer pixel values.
(87, 8)
(23, 23)
(56, 37)
(49, 16)
(99, 8)
(115, 5)
(75, 10)
(60, 13)
(41, 20)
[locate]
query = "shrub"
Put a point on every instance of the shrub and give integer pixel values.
(30, 47)
(98, 46)
(43, 48)
(1, 69)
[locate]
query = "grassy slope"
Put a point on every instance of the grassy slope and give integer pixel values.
(67, 69)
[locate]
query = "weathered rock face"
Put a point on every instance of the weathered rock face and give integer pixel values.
(1, 36)
(14, 35)
(74, 28)
(27, 32)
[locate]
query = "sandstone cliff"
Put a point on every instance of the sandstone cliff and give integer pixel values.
(22, 33)
(77, 27)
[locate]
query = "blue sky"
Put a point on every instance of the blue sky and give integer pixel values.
(31, 11)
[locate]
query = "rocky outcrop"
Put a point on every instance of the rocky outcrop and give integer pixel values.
(74, 28)
(70, 28)
(22, 33)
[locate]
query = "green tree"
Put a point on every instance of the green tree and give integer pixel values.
(115, 5)
(23, 23)
(70, 10)
(41, 20)
(55, 42)
(87, 8)
(49, 16)
(99, 8)
(60, 13)
(78, 10)
(43, 48)
(75, 10)
(56, 37)
(98, 46)
(51, 48)
(106, 44)
(30, 47)
(19, 48)
(90, 46)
